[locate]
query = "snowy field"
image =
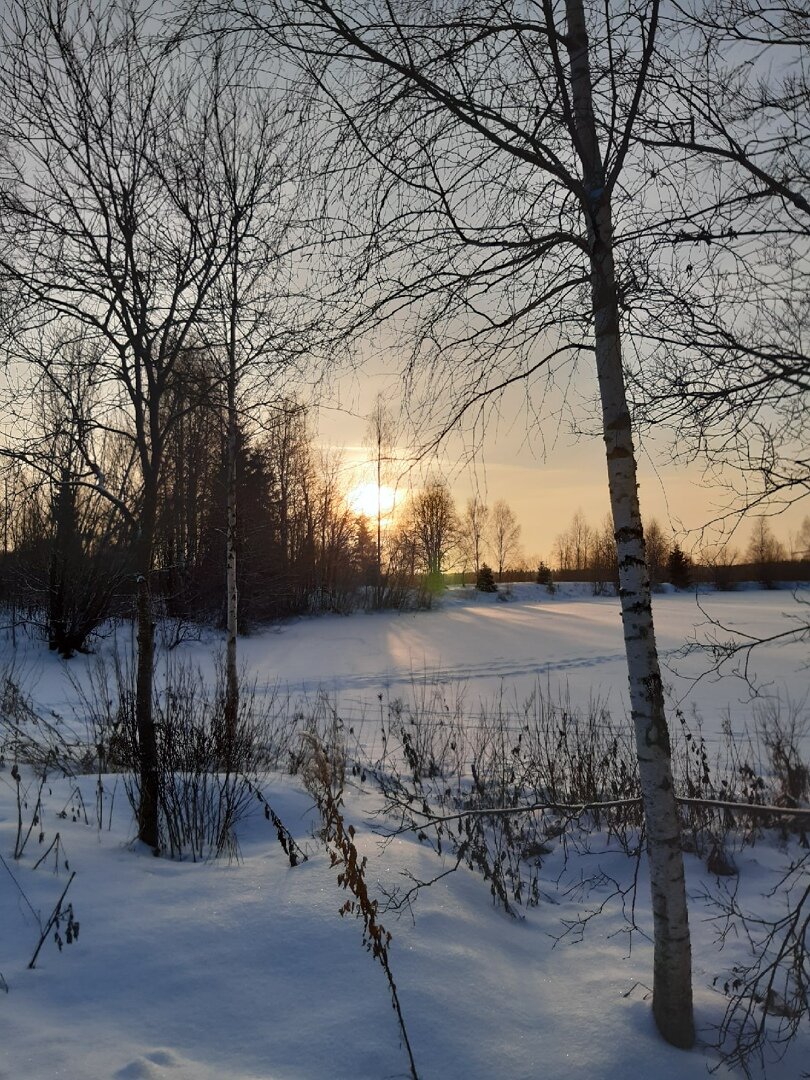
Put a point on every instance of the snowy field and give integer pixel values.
(195, 971)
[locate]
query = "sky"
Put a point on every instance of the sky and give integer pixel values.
(545, 473)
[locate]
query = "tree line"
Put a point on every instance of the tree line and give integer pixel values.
(588, 553)
(69, 555)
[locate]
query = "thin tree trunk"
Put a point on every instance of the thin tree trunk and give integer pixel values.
(231, 677)
(379, 525)
(148, 815)
(58, 562)
(672, 985)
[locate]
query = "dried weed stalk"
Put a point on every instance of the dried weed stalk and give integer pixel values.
(327, 790)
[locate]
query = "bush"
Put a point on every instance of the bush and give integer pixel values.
(201, 796)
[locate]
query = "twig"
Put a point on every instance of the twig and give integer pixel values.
(52, 921)
(748, 808)
(22, 892)
(575, 809)
(291, 849)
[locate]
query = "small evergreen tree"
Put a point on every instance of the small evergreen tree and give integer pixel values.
(485, 582)
(545, 577)
(679, 569)
(365, 552)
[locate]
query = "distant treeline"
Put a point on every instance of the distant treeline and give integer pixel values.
(67, 556)
(69, 545)
(724, 578)
(583, 552)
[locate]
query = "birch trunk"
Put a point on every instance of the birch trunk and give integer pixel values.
(672, 985)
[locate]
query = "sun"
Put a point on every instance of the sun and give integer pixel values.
(365, 498)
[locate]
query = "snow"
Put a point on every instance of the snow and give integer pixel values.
(190, 971)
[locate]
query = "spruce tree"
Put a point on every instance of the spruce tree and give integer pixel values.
(485, 582)
(679, 569)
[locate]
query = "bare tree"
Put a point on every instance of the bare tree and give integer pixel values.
(728, 154)
(504, 535)
(764, 550)
(496, 145)
(657, 551)
(582, 541)
(380, 437)
(573, 548)
(435, 524)
(603, 558)
(473, 531)
(254, 327)
(118, 237)
(336, 534)
(719, 560)
(801, 542)
(763, 546)
(55, 452)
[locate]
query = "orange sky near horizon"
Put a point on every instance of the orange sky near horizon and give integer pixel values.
(545, 477)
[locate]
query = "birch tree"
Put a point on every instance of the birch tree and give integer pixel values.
(435, 525)
(254, 330)
(490, 154)
(473, 531)
(505, 534)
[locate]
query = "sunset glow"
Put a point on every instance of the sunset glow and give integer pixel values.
(363, 500)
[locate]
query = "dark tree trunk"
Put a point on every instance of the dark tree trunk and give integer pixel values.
(148, 811)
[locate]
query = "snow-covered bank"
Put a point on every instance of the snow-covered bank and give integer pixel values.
(188, 970)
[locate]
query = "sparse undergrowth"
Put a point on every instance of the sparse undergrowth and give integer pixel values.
(203, 791)
(39, 752)
(500, 792)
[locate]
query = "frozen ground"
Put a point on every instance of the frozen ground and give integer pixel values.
(480, 647)
(190, 971)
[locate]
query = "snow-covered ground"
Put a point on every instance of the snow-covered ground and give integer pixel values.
(190, 971)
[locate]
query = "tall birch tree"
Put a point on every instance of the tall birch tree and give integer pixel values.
(255, 329)
(490, 164)
(504, 534)
(473, 532)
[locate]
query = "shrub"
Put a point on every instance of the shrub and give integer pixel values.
(201, 796)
